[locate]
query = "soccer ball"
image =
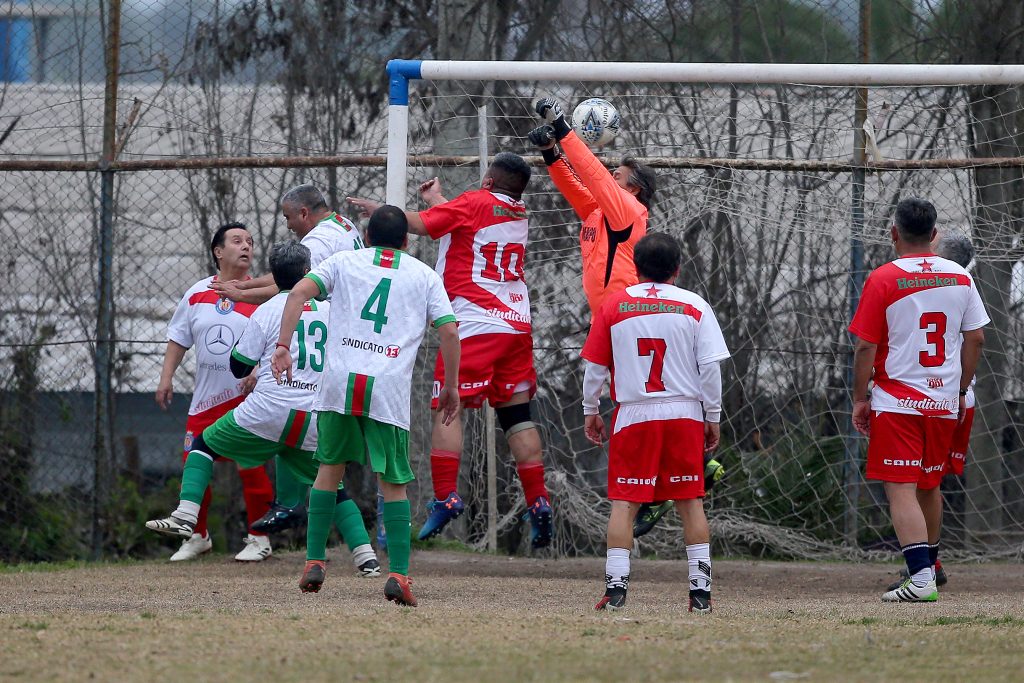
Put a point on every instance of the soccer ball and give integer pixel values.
(596, 121)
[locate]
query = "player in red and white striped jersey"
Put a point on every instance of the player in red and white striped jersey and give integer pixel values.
(211, 324)
(918, 326)
(483, 235)
(662, 346)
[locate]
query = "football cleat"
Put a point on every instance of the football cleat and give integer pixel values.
(540, 523)
(313, 576)
(279, 518)
(369, 569)
(908, 592)
(257, 549)
(648, 515)
(193, 547)
(172, 526)
(613, 599)
(700, 601)
(441, 512)
(940, 578)
(398, 589)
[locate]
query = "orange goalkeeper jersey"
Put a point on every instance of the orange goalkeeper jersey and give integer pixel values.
(613, 220)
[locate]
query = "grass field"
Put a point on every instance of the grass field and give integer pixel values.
(487, 618)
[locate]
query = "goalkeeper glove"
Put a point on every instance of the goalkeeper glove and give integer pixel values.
(713, 471)
(544, 137)
(549, 110)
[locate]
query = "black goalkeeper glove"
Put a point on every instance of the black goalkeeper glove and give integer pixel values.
(549, 110)
(544, 138)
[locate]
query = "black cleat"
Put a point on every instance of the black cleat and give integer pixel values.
(648, 515)
(279, 518)
(614, 599)
(700, 601)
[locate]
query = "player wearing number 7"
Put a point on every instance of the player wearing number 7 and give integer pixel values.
(382, 301)
(908, 324)
(662, 346)
(482, 256)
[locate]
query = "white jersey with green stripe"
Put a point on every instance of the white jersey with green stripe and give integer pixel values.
(283, 411)
(331, 235)
(382, 301)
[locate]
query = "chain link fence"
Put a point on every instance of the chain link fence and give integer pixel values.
(119, 163)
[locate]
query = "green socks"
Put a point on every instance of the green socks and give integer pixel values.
(318, 527)
(196, 477)
(398, 525)
(349, 521)
(290, 492)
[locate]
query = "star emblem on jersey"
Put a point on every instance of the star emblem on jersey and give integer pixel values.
(219, 339)
(652, 292)
(926, 267)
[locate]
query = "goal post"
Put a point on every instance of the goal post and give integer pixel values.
(759, 179)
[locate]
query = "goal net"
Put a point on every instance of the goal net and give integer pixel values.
(758, 179)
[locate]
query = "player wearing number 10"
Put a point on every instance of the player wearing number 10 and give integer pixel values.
(908, 325)
(483, 235)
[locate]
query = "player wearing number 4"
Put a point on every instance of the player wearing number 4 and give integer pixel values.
(382, 302)
(276, 419)
(483, 235)
(662, 346)
(908, 325)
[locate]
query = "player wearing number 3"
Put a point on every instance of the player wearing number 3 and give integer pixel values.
(662, 346)
(908, 325)
(483, 235)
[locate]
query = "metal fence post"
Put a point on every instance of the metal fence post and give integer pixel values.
(103, 441)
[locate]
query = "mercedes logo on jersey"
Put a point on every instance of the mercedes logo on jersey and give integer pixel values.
(219, 339)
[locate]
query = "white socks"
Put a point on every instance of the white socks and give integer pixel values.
(616, 568)
(921, 578)
(187, 511)
(698, 557)
(362, 553)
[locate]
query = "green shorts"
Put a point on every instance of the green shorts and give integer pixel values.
(348, 438)
(248, 450)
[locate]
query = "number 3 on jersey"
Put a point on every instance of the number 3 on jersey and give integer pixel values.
(375, 308)
(934, 325)
(648, 346)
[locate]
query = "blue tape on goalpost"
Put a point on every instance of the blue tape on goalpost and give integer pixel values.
(400, 71)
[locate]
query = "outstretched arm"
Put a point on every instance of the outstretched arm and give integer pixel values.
(368, 206)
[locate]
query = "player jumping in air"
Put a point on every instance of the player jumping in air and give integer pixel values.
(958, 249)
(918, 327)
(383, 299)
(614, 207)
(211, 323)
(277, 418)
(483, 235)
(662, 346)
(324, 233)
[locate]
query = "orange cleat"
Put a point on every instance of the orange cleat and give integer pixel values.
(398, 589)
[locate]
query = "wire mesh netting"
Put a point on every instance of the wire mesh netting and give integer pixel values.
(769, 247)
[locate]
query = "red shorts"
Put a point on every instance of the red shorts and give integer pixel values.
(958, 446)
(195, 424)
(492, 368)
(909, 449)
(657, 460)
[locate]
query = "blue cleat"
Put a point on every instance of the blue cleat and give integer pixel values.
(441, 512)
(540, 523)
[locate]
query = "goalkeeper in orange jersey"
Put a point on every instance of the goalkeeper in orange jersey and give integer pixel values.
(614, 207)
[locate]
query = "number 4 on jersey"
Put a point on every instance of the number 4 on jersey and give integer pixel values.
(375, 308)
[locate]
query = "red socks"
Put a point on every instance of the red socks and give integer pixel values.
(204, 509)
(258, 493)
(531, 476)
(444, 471)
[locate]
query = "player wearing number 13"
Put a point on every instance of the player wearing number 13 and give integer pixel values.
(908, 325)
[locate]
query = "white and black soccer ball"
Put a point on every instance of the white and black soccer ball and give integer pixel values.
(596, 121)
